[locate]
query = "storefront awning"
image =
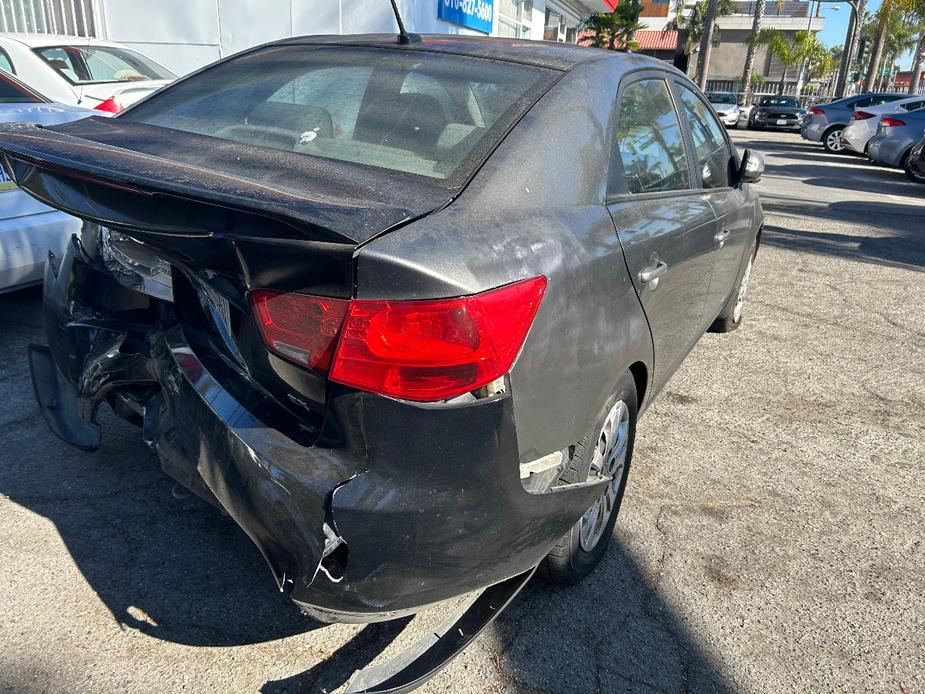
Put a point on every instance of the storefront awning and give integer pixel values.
(657, 40)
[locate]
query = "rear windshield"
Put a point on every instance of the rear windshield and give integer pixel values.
(101, 64)
(429, 114)
(783, 101)
(721, 98)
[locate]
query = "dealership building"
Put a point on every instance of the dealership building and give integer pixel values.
(186, 34)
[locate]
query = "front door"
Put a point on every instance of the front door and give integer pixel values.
(664, 224)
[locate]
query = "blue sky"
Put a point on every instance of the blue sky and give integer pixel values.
(836, 24)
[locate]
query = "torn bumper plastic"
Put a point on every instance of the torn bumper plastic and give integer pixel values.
(390, 507)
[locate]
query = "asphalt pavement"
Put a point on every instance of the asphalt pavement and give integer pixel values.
(771, 538)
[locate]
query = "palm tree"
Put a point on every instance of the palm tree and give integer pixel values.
(917, 66)
(822, 63)
(791, 50)
(888, 18)
(615, 30)
(757, 19)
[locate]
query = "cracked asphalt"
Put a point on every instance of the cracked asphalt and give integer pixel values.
(770, 539)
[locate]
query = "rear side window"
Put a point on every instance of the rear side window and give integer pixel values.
(5, 63)
(416, 112)
(710, 147)
(12, 92)
(914, 105)
(650, 140)
(883, 99)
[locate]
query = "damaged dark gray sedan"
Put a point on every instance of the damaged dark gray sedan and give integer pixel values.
(395, 306)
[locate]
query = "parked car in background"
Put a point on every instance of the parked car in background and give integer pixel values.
(896, 135)
(29, 229)
(825, 122)
(367, 267)
(864, 122)
(87, 72)
(777, 112)
(915, 163)
(726, 105)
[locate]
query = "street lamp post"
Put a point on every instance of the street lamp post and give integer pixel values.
(855, 23)
(850, 41)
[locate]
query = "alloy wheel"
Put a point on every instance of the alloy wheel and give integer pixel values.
(743, 290)
(833, 141)
(609, 460)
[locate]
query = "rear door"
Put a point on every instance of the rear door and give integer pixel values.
(713, 161)
(664, 224)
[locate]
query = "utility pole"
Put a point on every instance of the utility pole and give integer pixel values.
(706, 44)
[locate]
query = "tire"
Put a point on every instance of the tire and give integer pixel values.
(730, 318)
(830, 140)
(580, 550)
(912, 175)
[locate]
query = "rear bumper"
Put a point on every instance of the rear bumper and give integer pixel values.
(856, 138)
(887, 150)
(391, 507)
(772, 124)
(25, 243)
(812, 129)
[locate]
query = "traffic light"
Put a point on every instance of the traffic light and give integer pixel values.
(862, 49)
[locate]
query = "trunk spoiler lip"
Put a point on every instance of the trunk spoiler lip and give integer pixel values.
(61, 154)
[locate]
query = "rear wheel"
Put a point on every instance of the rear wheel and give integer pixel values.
(831, 140)
(913, 173)
(606, 450)
(731, 316)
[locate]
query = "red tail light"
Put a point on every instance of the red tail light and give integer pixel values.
(415, 350)
(299, 327)
(814, 111)
(888, 122)
(861, 115)
(110, 106)
(433, 350)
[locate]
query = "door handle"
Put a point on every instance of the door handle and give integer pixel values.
(721, 237)
(651, 274)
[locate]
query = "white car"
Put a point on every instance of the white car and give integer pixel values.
(864, 121)
(80, 71)
(29, 229)
(727, 107)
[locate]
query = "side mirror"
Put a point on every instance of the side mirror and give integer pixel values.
(751, 169)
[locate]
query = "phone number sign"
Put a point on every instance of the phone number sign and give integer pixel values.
(474, 14)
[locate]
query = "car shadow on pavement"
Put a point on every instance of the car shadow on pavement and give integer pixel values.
(162, 562)
(905, 249)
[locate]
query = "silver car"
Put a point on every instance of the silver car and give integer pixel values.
(727, 107)
(29, 229)
(896, 135)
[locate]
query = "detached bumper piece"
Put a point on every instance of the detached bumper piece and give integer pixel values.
(425, 659)
(58, 402)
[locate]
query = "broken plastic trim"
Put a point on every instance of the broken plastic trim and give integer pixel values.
(436, 650)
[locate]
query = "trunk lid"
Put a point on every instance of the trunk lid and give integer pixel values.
(105, 169)
(127, 92)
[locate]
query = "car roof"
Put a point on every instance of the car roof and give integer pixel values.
(43, 40)
(548, 54)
